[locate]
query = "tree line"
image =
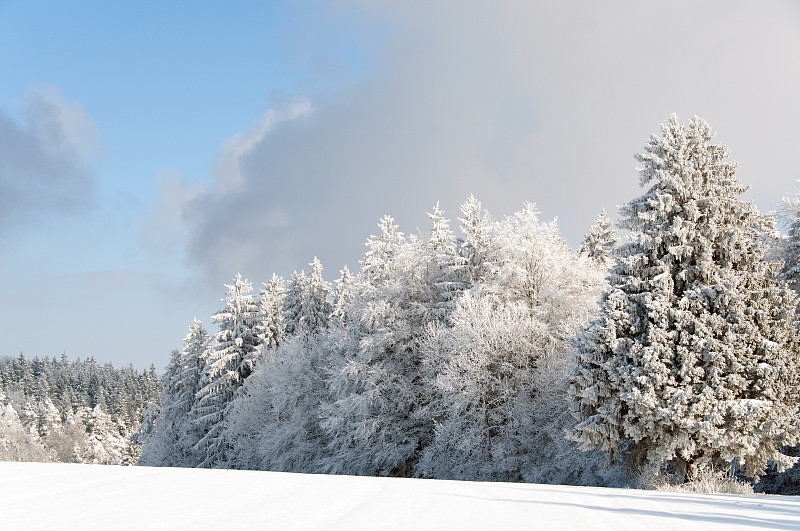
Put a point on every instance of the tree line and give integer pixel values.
(504, 355)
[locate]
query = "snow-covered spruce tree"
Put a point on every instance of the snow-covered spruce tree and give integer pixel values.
(476, 247)
(789, 215)
(444, 272)
(693, 360)
(186, 406)
(293, 301)
(228, 361)
(191, 366)
(343, 295)
(162, 449)
(379, 258)
(306, 307)
(105, 445)
(46, 419)
(601, 240)
(495, 369)
(270, 306)
(250, 412)
(316, 308)
(788, 252)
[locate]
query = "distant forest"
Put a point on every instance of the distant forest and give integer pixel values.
(73, 412)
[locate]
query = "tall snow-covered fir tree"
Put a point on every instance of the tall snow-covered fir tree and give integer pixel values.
(476, 247)
(343, 294)
(186, 405)
(789, 214)
(229, 360)
(194, 344)
(293, 301)
(271, 310)
(306, 307)
(444, 266)
(381, 250)
(317, 308)
(601, 240)
(163, 446)
(693, 359)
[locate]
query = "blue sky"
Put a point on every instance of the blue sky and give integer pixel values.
(150, 150)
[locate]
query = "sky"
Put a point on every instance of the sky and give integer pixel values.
(149, 151)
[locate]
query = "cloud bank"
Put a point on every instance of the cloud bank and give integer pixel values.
(43, 168)
(510, 101)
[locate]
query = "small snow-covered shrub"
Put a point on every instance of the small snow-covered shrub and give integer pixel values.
(707, 480)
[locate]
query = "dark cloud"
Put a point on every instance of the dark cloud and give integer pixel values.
(513, 102)
(41, 167)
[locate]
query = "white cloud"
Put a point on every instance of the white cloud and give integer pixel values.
(227, 171)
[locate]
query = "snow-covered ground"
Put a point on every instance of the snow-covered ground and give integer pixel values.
(64, 496)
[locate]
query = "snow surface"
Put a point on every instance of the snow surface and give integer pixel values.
(71, 496)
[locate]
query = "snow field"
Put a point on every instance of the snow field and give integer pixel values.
(70, 496)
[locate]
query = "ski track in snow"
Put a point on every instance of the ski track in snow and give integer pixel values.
(67, 496)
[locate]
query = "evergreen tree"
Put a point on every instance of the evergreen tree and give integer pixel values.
(789, 213)
(476, 248)
(316, 309)
(228, 361)
(293, 301)
(601, 240)
(443, 264)
(164, 449)
(306, 306)
(191, 366)
(49, 418)
(693, 360)
(343, 295)
(104, 444)
(381, 250)
(270, 308)
(170, 380)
